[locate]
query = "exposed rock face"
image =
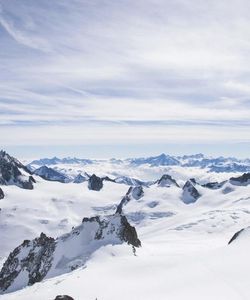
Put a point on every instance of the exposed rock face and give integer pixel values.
(132, 193)
(167, 181)
(63, 297)
(190, 193)
(51, 174)
(95, 183)
(45, 257)
(13, 172)
(214, 185)
(1, 194)
(242, 180)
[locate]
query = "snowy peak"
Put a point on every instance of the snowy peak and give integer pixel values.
(45, 257)
(167, 181)
(13, 172)
(51, 174)
(190, 194)
(154, 161)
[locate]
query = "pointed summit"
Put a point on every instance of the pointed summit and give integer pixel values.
(13, 172)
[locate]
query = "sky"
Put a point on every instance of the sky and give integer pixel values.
(123, 78)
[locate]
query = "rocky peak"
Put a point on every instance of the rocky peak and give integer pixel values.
(13, 172)
(189, 194)
(45, 257)
(95, 183)
(166, 181)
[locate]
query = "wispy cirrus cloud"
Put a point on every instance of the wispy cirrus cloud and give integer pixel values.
(171, 70)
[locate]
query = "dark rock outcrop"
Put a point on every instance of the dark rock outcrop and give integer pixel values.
(95, 183)
(13, 172)
(242, 180)
(1, 194)
(63, 297)
(128, 233)
(235, 236)
(190, 194)
(45, 257)
(166, 181)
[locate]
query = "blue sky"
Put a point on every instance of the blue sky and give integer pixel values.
(124, 78)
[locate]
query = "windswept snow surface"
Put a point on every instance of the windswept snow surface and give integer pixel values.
(184, 254)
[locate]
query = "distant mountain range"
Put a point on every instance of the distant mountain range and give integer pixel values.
(217, 164)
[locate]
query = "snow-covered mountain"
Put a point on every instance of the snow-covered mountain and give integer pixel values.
(154, 161)
(184, 216)
(13, 172)
(51, 174)
(45, 257)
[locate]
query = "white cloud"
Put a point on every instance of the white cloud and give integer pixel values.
(70, 64)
